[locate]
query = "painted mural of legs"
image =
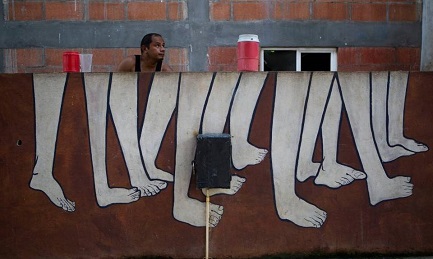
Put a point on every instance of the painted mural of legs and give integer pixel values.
(379, 94)
(290, 97)
(96, 88)
(245, 100)
(332, 173)
(48, 95)
(396, 102)
(124, 110)
(215, 117)
(160, 107)
(356, 98)
(321, 84)
(324, 104)
(193, 91)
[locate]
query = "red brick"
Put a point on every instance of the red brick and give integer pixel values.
(292, 11)
(29, 57)
(222, 59)
(106, 11)
(220, 11)
(408, 56)
(330, 11)
(347, 56)
(107, 57)
(377, 56)
(147, 11)
(26, 11)
(133, 51)
(177, 59)
(64, 10)
(369, 12)
(177, 56)
(49, 69)
(403, 12)
(176, 11)
(250, 11)
(54, 57)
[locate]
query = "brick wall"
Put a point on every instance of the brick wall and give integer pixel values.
(104, 59)
(349, 59)
(377, 59)
(220, 58)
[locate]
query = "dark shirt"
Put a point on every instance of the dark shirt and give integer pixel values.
(138, 64)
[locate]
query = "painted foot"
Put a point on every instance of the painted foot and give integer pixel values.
(392, 153)
(389, 189)
(235, 184)
(307, 170)
(412, 145)
(303, 214)
(193, 212)
(335, 175)
(151, 187)
(158, 174)
(109, 196)
(53, 190)
(246, 154)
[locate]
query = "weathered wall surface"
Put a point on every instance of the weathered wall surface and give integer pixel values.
(322, 162)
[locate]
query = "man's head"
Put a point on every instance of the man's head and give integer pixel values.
(153, 46)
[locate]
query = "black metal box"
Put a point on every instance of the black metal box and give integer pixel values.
(213, 160)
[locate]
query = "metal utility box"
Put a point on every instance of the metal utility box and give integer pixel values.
(213, 160)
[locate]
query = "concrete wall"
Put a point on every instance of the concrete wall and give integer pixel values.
(99, 164)
(201, 35)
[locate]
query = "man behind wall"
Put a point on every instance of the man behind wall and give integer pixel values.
(152, 54)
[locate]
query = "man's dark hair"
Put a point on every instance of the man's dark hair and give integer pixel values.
(147, 39)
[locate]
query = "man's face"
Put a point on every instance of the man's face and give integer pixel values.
(156, 48)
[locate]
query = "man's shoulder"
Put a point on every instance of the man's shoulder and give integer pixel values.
(127, 64)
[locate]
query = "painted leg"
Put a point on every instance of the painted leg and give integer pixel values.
(214, 119)
(192, 96)
(290, 97)
(160, 107)
(332, 173)
(124, 108)
(379, 94)
(96, 87)
(242, 112)
(356, 97)
(48, 93)
(321, 84)
(397, 94)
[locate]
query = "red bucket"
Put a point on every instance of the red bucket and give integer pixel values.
(248, 52)
(71, 61)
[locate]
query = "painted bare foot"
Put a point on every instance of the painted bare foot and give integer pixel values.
(193, 212)
(245, 154)
(389, 189)
(412, 145)
(151, 187)
(52, 189)
(307, 170)
(158, 174)
(335, 175)
(108, 196)
(235, 185)
(394, 152)
(303, 213)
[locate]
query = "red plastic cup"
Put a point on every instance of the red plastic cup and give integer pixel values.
(248, 52)
(71, 61)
